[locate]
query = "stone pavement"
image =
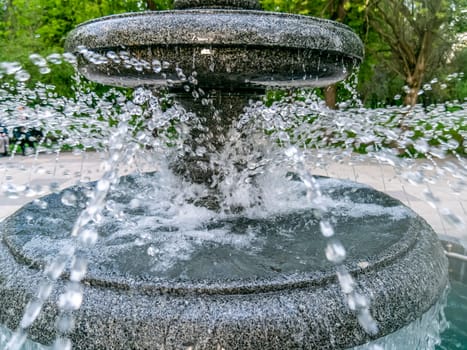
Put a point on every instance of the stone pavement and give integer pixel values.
(36, 176)
(445, 209)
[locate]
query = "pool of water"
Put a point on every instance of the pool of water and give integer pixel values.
(455, 336)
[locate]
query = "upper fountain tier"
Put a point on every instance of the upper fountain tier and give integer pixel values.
(230, 44)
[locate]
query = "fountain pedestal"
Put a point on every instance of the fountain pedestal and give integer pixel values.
(216, 113)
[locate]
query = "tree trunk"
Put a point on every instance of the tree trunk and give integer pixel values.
(415, 79)
(151, 5)
(411, 97)
(330, 96)
(338, 14)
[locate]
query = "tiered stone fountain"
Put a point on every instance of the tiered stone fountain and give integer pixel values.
(230, 51)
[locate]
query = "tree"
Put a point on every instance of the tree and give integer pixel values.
(417, 34)
(154, 5)
(41, 26)
(344, 11)
(337, 10)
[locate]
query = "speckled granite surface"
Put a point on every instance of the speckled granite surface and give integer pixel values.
(245, 4)
(226, 48)
(229, 50)
(302, 310)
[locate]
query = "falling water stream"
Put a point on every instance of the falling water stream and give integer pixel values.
(279, 144)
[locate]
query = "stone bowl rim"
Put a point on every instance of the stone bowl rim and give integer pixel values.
(355, 51)
(282, 281)
(214, 11)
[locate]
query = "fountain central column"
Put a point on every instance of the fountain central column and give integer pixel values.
(215, 114)
(229, 50)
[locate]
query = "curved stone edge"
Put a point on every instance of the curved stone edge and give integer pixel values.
(244, 4)
(150, 286)
(280, 67)
(306, 318)
(231, 28)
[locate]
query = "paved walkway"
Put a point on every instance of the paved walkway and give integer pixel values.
(24, 178)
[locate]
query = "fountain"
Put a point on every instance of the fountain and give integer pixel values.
(228, 269)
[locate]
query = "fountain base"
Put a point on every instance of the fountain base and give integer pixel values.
(272, 300)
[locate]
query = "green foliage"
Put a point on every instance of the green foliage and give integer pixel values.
(41, 27)
(415, 38)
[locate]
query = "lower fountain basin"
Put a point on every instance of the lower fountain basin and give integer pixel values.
(247, 282)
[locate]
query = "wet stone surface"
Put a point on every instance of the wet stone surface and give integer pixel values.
(288, 306)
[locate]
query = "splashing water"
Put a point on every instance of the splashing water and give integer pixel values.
(424, 147)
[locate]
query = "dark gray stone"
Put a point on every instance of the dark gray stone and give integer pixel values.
(227, 48)
(289, 309)
(224, 4)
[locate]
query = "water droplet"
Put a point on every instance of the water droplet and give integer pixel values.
(367, 322)
(113, 56)
(31, 312)
(62, 344)
(72, 298)
(103, 185)
(152, 251)
(78, 269)
(363, 264)
(156, 66)
(44, 70)
(335, 252)
(37, 60)
(88, 237)
(44, 291)
(70, 58)
(346, 281)
(326, 228)
(56, 268)
(10, 67)
(22, 76)
(40, 203)
(69, 199)
(357, 301)
(180, 74)
(55, 58)
(65, 323)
